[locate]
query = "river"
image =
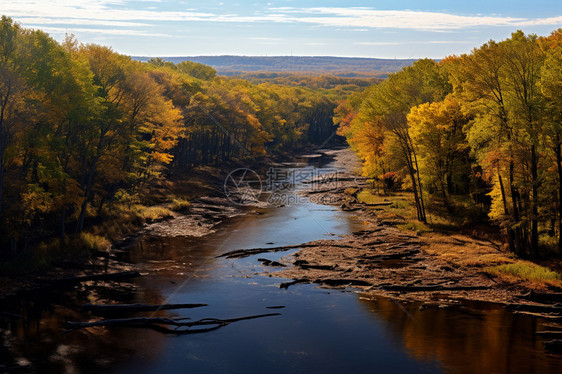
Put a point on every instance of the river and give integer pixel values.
(318, 330)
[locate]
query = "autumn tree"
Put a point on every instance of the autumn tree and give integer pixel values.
(551, 88)
(437, 131)
(387, 108)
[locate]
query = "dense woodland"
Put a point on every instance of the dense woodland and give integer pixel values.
(324, 65)
(482, 129)
(84, 129)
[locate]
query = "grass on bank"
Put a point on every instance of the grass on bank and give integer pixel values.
(117, 221)
(75, 250)
(462, 240)
(528, 271)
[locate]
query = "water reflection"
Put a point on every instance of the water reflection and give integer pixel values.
(39, 341)
(322, 331)
(474, 338)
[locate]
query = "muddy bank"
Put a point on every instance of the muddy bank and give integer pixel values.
(385, 261)
(209, 206)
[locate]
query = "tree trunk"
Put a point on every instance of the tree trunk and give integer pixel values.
(519, 247)
(509, 231)
(2, 144)
(1, 174)
(534, 202)
(88, 191)
(417, 171)
(559, 165)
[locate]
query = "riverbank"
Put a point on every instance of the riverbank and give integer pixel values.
(191, 205)
(423, 265)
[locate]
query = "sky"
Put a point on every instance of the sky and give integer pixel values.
(348, 28)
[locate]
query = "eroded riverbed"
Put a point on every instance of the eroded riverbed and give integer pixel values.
(318, 330)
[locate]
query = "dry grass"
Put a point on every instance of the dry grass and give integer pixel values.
(443, 239)
(93, 242)
(178, 205)
(154, 213)
(464, 251)
(528, 271)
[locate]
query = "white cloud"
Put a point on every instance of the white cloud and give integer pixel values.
(132, 14)
(263, 38)
(396, 19)
(78, 30)
(415, 42)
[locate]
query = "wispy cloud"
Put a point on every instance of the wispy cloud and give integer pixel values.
(396, 19)
(263, 38)
(133, 14)
(65, 30)
(415, 42)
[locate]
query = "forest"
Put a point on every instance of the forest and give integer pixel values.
(311, 65)
(480, 130)
(84, 131)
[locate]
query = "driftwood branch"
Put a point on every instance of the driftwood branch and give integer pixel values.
(535, 308)
(398, 288)
(337, 282)
(240, 253)
(180, 326)
(267, 262)
(286, 285)
(544, 297)
(133, 308)
(98, 277)
(342, 282)
(550, 334)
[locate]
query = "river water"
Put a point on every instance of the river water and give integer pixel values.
(318, 330)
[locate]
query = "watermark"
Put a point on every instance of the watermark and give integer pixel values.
(283, 186)
(243, 186)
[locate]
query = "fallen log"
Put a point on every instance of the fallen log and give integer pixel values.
(316, 267)
(392, 256)
(547, 316)
(267, 262)
(328, 282)
(241, 253)
(386, 203)
(544, 297)
(556, 309)
(368, 232)
(286, 285)
(549, 334)
(98, 277)
(398, 288)
(343, 282)
(162, 324)
(326, 191)
(133, 308)
(350, 208)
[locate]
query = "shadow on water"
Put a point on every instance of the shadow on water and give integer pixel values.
(318, 331)
(473, 338)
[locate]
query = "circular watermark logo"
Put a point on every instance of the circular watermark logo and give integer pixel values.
(243, 186)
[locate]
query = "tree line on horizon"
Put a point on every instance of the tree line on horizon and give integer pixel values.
(481, 129)
(83, 128)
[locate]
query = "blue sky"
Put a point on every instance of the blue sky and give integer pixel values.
(386, 29)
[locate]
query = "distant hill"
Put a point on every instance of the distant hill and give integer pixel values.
(338, 66)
